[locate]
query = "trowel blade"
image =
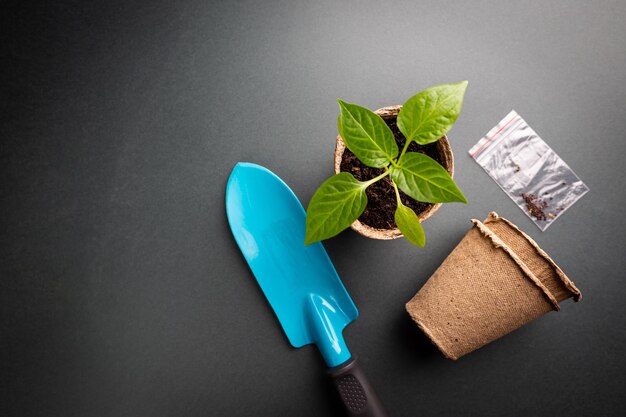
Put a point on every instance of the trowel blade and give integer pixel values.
(300, 282)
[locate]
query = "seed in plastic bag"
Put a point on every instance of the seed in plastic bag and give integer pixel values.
(535, 206)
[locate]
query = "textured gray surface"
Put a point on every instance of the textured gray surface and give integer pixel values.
(122, 292)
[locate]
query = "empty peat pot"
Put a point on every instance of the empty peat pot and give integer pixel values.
(377, 221)
(496, 280)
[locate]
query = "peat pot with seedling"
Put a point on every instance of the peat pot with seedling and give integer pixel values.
(393, 168)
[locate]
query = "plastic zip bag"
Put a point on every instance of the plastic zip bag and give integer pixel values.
(528, 170)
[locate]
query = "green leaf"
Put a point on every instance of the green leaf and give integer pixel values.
(336, 204)
(427, 116)
(367, 135)
(422, 178)
(410, 226)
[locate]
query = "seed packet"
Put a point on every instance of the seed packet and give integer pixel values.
(528, 170)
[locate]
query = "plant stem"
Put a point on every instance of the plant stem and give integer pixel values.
(406, 146)
(395, 187)
(373, 180)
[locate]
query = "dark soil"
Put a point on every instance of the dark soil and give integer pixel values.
(381, 197)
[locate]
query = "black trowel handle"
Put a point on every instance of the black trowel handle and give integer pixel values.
(356, 393)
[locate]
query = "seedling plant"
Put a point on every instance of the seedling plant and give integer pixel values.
(424, 118)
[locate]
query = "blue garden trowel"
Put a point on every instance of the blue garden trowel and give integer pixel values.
(299, 281)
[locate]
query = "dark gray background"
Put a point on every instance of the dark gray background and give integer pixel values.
(122, 292)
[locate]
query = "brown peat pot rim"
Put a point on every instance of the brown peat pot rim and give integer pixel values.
(443, 146)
